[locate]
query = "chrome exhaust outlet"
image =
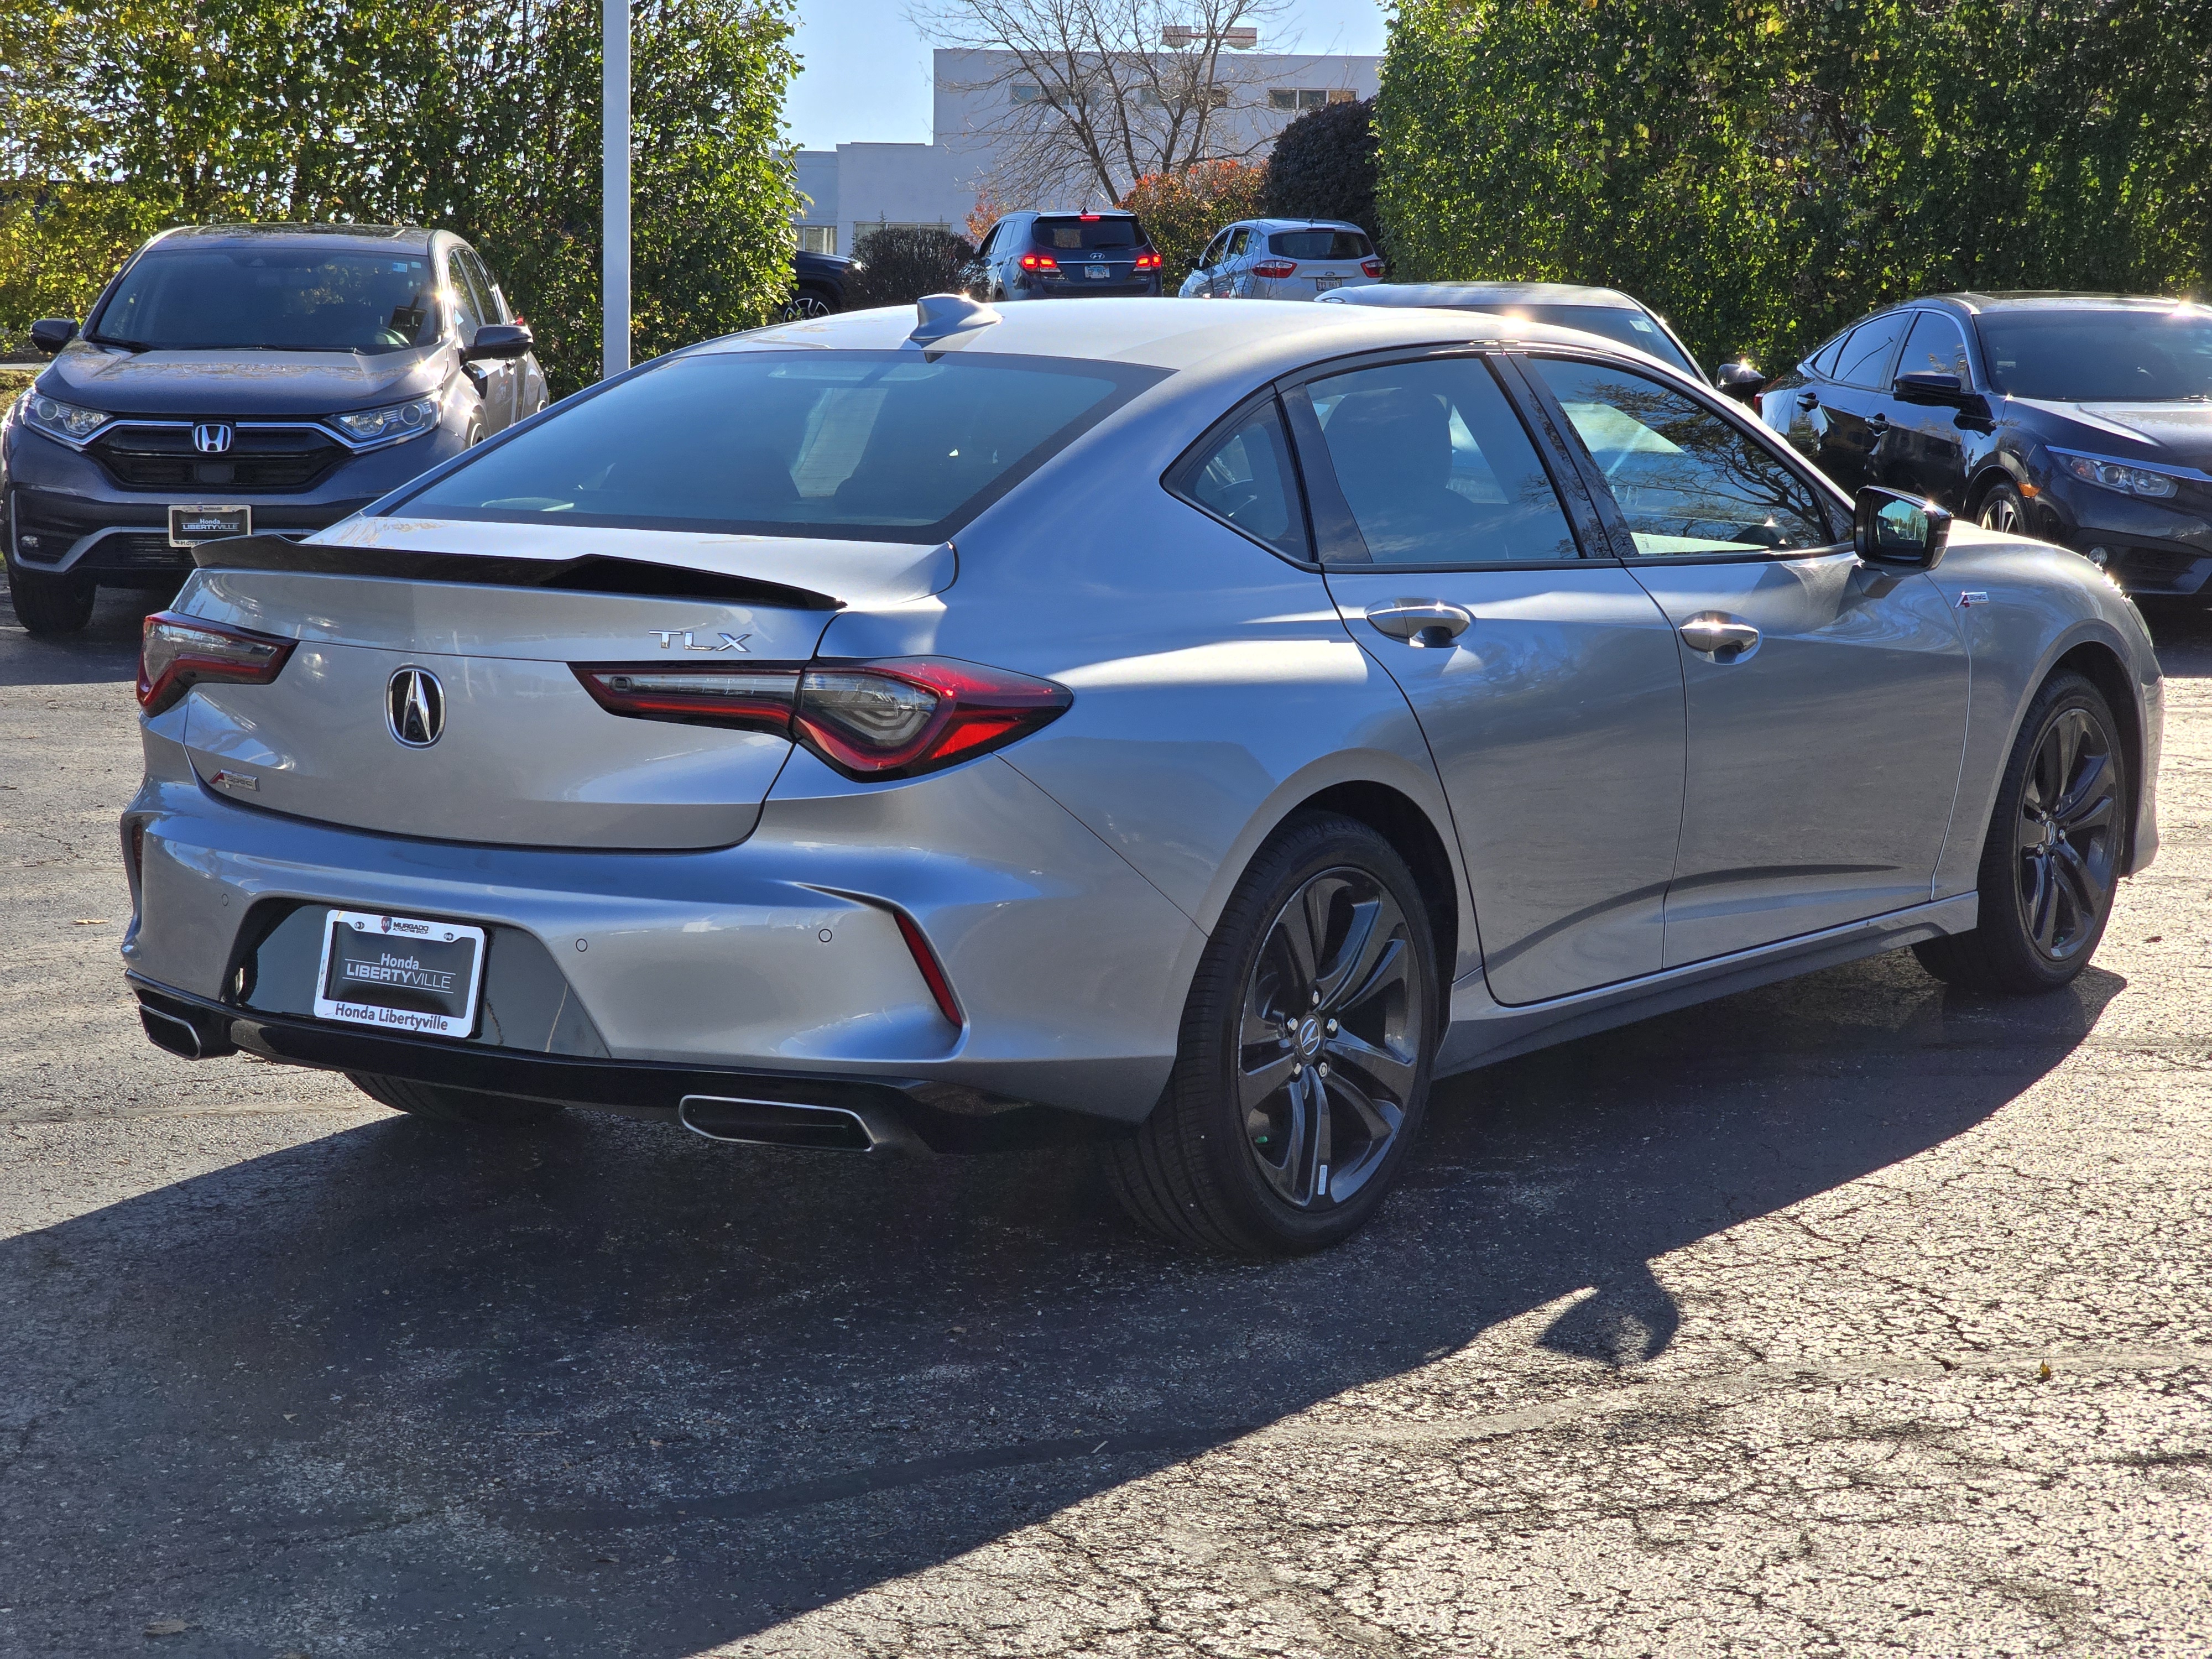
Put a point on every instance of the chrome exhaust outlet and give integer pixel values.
(178, 1036)
(777, 1123)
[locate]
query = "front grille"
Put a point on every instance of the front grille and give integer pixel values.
(264, 459)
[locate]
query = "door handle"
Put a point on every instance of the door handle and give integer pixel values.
(1420, 622)
(1720, 636)
(1806, 400)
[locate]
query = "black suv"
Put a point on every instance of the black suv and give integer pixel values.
(2083, 419)
(246, 379)
(1056, 256)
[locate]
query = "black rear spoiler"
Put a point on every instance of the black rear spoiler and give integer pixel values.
(593, 573)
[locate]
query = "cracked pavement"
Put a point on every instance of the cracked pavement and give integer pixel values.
(1851, 1316)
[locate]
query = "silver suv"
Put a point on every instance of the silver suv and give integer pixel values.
(1283, 259)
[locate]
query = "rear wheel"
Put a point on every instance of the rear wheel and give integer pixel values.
(2050, 864)
(443, 1105)
(47, 604)
(1303, 1070)
(806, 305)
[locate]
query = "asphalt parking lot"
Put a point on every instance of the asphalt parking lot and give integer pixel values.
(1850, 1316)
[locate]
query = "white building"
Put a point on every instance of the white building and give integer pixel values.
(854, 188)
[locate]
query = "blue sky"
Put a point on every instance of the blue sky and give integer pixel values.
(867, 74)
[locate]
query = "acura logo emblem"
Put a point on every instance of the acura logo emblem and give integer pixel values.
(213, 438)
(415, 707)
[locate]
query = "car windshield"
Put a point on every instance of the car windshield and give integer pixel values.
(1628, 328)
(2100, 356)
(260, 296)
(1318, 244)
(868, 446)
(1074, 232)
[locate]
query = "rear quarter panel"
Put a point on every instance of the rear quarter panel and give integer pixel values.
(2037, 603)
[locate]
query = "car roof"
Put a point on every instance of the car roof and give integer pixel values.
(379, 238)
(1972, 302)
(1450, 295)
(1296, 224)
(1262, 338)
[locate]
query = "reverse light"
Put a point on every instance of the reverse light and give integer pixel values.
(2117, 475)
(895, 718)
(1371, 267)
(1039, 262)
(177, 653)
(1275, 268)
(409, 420)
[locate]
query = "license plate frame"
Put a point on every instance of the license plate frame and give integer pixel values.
(1100, 273)
(1325, 284)
(214, 522)
(438, 993)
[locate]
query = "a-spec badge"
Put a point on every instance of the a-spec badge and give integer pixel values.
(668, 636)
(1971, 597)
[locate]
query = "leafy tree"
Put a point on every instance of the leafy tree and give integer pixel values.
(131, 114)
(1322, 167)
(899, 263)
(1766, 170)
(1182, 210)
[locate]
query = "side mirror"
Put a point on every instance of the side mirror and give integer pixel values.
(496, 341)
(50, 334)
(1897, 531)
(1920, 388)
(1739, 380)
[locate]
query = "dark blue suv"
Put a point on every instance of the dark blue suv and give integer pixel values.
(234, 379)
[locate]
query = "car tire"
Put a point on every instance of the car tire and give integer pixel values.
(2051, 862)
(2005, 508)
(1310, 1028)
(439, 1104)
(807, 306)
(49, 606)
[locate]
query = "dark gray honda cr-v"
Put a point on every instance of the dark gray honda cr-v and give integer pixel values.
(246, 379)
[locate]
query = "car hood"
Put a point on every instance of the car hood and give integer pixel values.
(2179, 435)
(265, 383)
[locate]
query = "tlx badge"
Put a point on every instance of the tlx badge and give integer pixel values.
(668, 636)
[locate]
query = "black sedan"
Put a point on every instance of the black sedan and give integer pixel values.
(2081, 419)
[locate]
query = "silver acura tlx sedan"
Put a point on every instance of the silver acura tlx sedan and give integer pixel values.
(1194, 730)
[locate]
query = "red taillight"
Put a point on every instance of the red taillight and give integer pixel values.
(1275, 268)
(1148, 262)
(1088, 218)
(1039, 262)
(1371, 267)
(894, 719)
(177, 653)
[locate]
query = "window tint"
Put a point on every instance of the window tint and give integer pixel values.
(1239, 243)
(1245, 476)
(1216, 250)
(1864, 361)
(866, 445)
(487, 291)
(1318, 244)
(468, 304)
(300, 297)
(1437, 468)
(1936, 347)
(1823, 361)
(2069, 356)
(1079, 232)
(1631, 328)
(1687, 479)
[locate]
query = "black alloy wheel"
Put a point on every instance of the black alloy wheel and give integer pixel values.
(1303, 1072)
(2005, 508)
(805, 306)
(2050, 866)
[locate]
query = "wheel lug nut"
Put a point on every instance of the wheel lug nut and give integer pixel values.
(1316, 999)
(1322, 1068)
(1296, 1070)
(1332, 1028)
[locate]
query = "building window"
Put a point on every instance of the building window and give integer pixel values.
(1306, 98)
(1027, 92)
(818, 239)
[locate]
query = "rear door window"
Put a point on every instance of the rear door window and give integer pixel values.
(1864, 360)
(1244, 478)
(1686, 480)
(1318, 244)
(1072, 231)
(870, 446)
(1936, 347)
(1437, 467)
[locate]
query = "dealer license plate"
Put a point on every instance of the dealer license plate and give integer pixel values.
(188, 525)
(400, 973)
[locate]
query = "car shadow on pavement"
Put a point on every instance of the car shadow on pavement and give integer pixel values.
(610, 1388)
(107, 648)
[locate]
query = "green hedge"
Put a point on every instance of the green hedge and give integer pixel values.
(1764, 172)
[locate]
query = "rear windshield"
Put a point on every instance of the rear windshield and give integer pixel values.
(275, 299)
(1628, 328)
(868, 446)
(1318, 244)
(1079, 232)
(2100, 356)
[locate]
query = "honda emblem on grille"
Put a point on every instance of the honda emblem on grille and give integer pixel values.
(213, 438)
(415, 707)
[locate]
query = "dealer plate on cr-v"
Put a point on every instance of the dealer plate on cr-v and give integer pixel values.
(400, 973)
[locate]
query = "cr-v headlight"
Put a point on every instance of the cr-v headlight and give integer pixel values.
(60, 420)
(407, 420)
